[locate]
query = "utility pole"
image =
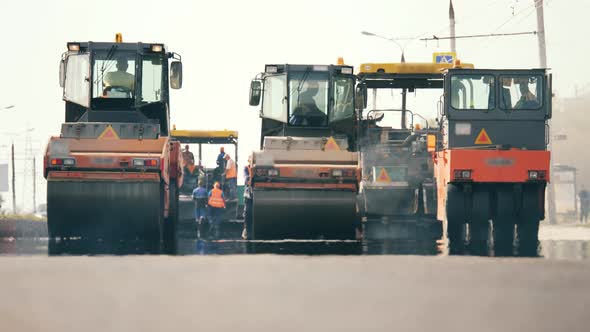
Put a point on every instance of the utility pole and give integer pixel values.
(543, 64)
(452, 26)
(13, 182)
(34, 187)
(541, 34)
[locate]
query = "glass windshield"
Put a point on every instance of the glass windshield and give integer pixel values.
(308, 103)
(472, 92)
(521, 92)
(273, 98)
(343, 98)
(421, 102)
(114, 74)
(151, 78)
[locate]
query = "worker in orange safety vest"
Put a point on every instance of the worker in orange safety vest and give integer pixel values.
(216, 205)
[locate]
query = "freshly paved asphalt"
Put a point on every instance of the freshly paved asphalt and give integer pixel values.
(293, 293)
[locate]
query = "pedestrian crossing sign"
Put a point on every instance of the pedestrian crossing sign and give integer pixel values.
(383, 176)
(444, 57)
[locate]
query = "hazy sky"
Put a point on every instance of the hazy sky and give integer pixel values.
(224, 44)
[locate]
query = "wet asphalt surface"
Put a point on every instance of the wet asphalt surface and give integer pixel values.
(229, 284)
(571, 242)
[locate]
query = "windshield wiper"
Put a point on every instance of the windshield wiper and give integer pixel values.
(108, 61)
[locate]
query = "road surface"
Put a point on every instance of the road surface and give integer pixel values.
(293, 293)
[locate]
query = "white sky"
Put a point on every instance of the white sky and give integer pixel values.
(224, 44)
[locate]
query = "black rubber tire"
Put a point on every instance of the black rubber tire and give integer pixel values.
(528, 223)
(504, 221)
(479, 226)
(528, 238)
(455, 208)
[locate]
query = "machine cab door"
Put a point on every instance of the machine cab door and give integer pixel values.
(342, 115)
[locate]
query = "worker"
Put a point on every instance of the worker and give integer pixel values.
(221, 158)
(219, 173)
(306, 111)
(119, 80)
(584, 196)
(200, 198)
(247, 199)
(187, 156)
(231, 176)
(527, 100)
(216, 205)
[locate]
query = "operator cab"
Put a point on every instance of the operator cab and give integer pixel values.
(488, 108)
(305, 100)
(119, 82)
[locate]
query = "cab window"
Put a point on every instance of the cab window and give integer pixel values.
(472, 92)
(521, 92)
(343, 98)
(114, 75)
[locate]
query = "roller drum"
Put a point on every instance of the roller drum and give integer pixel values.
(105, 209)
(303, 214)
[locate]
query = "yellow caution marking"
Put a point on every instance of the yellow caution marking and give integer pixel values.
(331, 145)
(383, 176)
(109, 133)
(483, 138)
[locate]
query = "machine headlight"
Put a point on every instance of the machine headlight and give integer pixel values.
(63, 162)
(346, 70)
(273, 172)
(74, 47)
(271, 69)
(337, 172)
(157, 48)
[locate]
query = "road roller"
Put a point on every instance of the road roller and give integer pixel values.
(113, 172)
(492, 166)
(305, 178)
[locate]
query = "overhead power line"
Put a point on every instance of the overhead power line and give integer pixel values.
(481, 36)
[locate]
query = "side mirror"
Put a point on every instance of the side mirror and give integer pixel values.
(62, 73)
(431, 143)
(255, 92)
(361, 97)
(176, 74)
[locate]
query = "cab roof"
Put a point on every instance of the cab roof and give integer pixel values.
(409, 75)
(205, 136)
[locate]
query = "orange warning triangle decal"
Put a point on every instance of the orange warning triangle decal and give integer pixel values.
(109, 133)
(331, 145)
(483, 138)
(383, 176)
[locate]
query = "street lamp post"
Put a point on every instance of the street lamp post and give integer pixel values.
(403, 59)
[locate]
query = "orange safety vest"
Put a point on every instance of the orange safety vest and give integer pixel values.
(231, 172)
(216, 198)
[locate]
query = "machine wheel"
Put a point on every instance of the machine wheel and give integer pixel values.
(171, 224)
(479, 227)
(528, 224)
(504, 220)
(455, 207)
(528, 238)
